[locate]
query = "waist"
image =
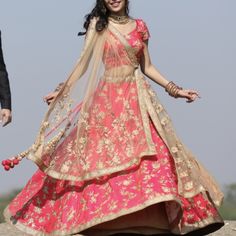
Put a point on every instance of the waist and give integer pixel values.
(119, 79)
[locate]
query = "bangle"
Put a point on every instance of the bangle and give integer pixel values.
(172, 89)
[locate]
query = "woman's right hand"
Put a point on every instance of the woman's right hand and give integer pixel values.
(50, 97)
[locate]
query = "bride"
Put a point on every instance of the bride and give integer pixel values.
(109, 159)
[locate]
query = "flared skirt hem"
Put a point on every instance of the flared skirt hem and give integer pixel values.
(187, 228)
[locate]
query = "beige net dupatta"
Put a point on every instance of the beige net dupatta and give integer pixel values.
(84, 134)
(68, 111)
(193, 178)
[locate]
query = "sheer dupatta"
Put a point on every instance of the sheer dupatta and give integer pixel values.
(84, 134)
(193, 178)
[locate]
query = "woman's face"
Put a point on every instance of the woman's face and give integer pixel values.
(115, 6)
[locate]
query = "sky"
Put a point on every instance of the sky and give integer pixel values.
(192, 43)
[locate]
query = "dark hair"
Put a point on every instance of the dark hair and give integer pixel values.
(102, 13)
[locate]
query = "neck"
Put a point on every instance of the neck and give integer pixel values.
(119, 19)
(119, 13)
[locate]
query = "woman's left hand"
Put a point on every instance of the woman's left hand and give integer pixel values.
(190, 95)
(50, 97)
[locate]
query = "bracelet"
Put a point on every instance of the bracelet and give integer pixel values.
(59, 87)
(172, 89)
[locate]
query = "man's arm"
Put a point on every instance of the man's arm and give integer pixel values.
(5, 93)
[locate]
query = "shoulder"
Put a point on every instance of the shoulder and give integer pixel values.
(142, 29)
(141, 25)
(93, 21)
(141, 22)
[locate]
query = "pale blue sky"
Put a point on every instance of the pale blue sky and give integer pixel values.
(192, 43)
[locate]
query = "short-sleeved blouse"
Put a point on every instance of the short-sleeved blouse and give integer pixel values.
(136, 38)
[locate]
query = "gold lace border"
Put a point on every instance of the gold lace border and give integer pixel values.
(90, 175)
(185, 229)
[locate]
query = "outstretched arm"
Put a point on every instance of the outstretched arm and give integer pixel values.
(152, 73)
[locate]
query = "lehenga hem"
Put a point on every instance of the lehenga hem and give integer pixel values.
(91, 175)
(159, 199)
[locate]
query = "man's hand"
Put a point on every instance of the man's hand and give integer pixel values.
(5, 117)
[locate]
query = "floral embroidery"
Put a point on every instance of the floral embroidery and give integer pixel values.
(125, 163)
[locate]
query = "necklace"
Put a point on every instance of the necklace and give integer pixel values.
(119, 19)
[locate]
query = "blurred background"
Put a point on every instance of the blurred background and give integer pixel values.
(192, 43)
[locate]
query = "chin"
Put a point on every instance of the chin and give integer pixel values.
(115, 6)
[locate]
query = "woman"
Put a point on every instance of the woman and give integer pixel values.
(110, 161)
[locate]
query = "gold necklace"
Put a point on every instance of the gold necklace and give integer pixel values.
(119, 19)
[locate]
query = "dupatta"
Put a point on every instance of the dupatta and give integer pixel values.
(193, 178)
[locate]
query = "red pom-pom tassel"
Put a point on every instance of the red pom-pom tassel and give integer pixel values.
(16, 162)
(7, 168)
(10, 163)
(4, 163)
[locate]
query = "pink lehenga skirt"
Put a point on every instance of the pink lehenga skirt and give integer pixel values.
(142, 199)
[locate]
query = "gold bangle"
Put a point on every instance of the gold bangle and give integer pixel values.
(173, 89)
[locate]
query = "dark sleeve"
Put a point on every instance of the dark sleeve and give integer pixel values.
(5, 93)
